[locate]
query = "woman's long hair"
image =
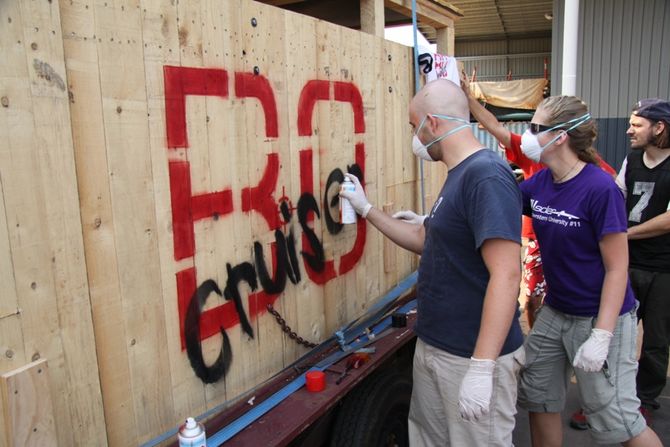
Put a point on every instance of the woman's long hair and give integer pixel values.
(561, 109)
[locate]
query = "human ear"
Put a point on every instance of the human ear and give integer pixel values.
(433, 122)
(659, 127)
(562, 137)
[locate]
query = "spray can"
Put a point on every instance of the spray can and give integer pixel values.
(347, 212)
(191, 434)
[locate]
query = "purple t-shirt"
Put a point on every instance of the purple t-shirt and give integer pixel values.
(570, 219)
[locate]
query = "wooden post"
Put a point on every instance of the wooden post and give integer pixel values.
(445, 40)
(372, 17)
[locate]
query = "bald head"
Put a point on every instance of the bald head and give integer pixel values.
(441, 97)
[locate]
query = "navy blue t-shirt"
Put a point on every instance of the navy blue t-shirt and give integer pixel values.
(480, 200)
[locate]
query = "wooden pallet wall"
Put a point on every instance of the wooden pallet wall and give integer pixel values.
(45, 310)
(167, 170)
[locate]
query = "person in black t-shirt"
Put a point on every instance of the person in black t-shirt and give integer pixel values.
(645, 181)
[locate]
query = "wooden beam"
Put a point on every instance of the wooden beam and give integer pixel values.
(445, 38)
(436, 13)
(280, 2)
(28, 410)
(372, 17)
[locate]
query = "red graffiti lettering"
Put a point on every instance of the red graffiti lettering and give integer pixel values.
(349, 260)
(189, 207)
(183, 81)
(255, 86)
(260, 198)
(312, 92)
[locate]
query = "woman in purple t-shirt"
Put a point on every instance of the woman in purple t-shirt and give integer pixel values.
(588, 319)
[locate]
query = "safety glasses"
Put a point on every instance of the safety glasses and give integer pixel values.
(536, 128)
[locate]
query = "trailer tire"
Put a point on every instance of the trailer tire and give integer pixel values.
(375, 413)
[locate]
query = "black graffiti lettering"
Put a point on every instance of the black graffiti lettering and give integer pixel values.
(208, 374)
(317, 259)
(336, 176)
(241, 272)
(354, 169)
(287, 266)
(285, 211)
(426, 62)
(277, 285)
(294, 268)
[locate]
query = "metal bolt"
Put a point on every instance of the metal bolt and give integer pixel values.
(4, 101)
(257, 70)
(390, 57)
(254, 22)
(119, 109)
(33, 46)
(132, 342)
(390, 89)
(9, 353)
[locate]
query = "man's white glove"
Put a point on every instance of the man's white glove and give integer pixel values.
(593, 352)
(409, 217)
(474, 398)
(357, 198)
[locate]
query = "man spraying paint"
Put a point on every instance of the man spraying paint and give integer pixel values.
(469, 275)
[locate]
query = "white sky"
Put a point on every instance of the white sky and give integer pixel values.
(404, 35)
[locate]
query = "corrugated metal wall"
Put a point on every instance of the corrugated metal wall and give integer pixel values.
(491, 142)
(624, 55)
(494, 59)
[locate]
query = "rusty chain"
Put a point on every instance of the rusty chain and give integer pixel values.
(287, 329)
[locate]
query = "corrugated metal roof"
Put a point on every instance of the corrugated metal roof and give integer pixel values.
(481, 18)
(502, 18)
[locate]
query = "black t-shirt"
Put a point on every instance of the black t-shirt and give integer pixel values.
(648, 196)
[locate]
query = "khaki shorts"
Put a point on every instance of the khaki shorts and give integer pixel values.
(434, 418)
(608, 396)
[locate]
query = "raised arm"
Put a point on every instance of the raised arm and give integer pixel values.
(485, 118)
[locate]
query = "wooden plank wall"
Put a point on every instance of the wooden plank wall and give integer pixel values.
(28, 410)
(46, 312)
(169, 169)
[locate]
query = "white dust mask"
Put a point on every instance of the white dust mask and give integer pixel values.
(530, 145)
(420, 149)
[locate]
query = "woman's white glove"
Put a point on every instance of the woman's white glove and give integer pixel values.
(357, 198)
(593, 352)
(474, 398)
(409, 217)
